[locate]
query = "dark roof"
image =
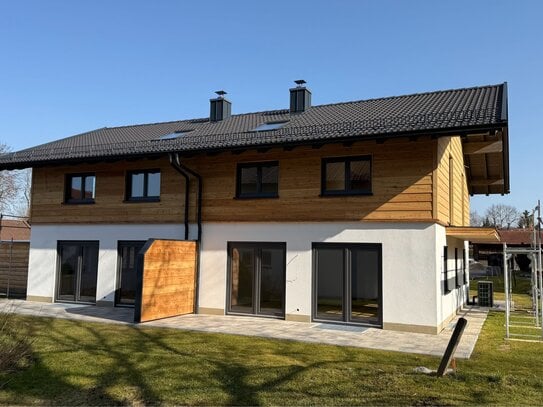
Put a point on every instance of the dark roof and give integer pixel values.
(432, 112)
(14, 229)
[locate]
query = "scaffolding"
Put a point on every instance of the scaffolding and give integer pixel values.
(525, 324)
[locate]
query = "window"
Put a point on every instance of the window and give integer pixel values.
(346, 176)
(143, 185)
(258, 180)
(270, 126)
(446, 285)
(80, 188)
(456, 268)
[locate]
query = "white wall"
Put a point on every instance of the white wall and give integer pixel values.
(409, 263)
(43, 252)
(449, 302)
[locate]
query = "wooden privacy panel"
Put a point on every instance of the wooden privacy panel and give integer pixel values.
(166, 279)
(13, 268)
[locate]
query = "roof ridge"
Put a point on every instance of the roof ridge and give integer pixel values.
(285, 111)
(414, 94)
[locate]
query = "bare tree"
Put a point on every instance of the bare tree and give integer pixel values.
(501, 216)
(14, 189)
(475, 219)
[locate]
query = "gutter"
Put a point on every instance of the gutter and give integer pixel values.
(187, 180)
(187, 172)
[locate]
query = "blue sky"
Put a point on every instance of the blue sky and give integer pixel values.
(72, 66)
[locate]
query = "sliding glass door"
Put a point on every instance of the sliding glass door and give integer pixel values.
(256, 278)
(126, 276)
(77, 271)
(347, 283)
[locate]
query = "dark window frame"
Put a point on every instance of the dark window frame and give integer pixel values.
(464, 274)
(347, 253)
(81, 244)
(145, 197)
(456, 268)
(446, 287)
(118, 281)
(347, 168)
(258, 247)
(68, 188)
(259, 194)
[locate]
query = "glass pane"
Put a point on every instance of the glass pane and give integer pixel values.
(127, 283)
(75, 190)
(89, 187)
(69, 255)
(270, 177)
(272, 281)
(330, 283)
(360, 175)
(137, 181)
(153, 184)
(241, 298)
(89, 271)
(365, 285)
(248, 183)
(335, 176)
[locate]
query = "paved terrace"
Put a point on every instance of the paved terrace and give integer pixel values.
(332, 334)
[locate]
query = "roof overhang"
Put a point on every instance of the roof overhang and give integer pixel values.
(473, 234)
(486, 156)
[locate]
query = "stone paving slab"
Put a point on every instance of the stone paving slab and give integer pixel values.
(332, 334)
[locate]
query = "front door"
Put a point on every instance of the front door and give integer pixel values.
(126, 275)
(78, 270)
(347, 283)
(256, 275)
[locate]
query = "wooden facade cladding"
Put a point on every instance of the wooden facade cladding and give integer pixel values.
(110, 207)
(409, 183)
(166, 280)
(451, 189)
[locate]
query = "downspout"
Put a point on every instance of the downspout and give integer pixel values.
(176, 163)
(187, 187)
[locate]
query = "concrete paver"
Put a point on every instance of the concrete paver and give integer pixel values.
(332, 334)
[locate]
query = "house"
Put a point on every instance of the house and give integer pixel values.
(14, 249)
(491, 254)
(352, 213)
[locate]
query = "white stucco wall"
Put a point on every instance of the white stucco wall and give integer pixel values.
(43, 252)
(409, 263)
(448, 303)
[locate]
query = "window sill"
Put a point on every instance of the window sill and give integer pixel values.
(141, 200)
(344, 193)
(83, 202)
(248, 197)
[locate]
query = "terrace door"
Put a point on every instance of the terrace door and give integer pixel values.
(126, 276)
(256, 279)
(77, 271)
(347, 283)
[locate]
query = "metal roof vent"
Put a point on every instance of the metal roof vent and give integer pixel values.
(300, 97)
(220, 108)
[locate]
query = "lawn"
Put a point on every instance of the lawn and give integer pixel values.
(521, 287)
(80, 363)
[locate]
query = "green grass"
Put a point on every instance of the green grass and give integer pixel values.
(80, 363)
(521, 290)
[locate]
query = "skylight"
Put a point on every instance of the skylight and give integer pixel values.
(270, 126)
(174, 135)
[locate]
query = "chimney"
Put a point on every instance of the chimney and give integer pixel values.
(300, 97)
(220, 108)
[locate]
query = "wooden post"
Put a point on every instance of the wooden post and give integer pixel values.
(451, 347)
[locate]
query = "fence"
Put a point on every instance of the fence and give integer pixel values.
(14, 251)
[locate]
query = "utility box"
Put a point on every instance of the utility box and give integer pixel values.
(485, 293)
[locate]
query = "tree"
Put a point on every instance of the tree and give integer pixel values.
(526, 220)
(501, 216)
(13, 187)
(475, 219)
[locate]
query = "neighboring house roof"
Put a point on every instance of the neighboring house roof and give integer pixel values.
(14, 229)
(446, 112)
(517, 237)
